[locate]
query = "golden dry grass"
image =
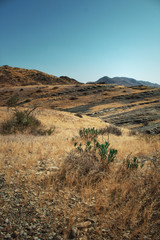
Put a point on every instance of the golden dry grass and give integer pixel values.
(122, 205)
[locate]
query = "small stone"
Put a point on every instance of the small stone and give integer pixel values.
(52, 235)
(6, 221)
(53, 168)
(73, 233)
(126, 235)
(37, 238)
(83, 238)
(73, 199)
(90, 219)
(33, 226)
(104, 230)
(84, 224)
(8, 236)
(22, 232)
(14, 234)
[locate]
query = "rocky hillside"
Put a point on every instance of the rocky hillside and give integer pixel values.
(129, 82)
(13, 76)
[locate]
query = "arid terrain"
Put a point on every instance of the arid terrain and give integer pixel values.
(136, 108)
(61, 184)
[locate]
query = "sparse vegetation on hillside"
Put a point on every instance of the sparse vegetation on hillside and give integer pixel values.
(14, 76)
(111, 130)
(22, 121)
(89, 133)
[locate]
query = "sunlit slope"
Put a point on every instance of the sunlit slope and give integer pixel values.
(13, 76)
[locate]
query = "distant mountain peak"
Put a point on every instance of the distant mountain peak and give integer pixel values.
(125, 81)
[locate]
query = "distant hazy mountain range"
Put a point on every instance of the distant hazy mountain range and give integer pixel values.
(125, 81)
(13, 76)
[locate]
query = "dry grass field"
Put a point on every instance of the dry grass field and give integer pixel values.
(50, 190)
(59, 178)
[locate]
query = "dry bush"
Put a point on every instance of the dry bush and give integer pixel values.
(78, 115)
(81, 169)
(19, 122)
(111, 130)
(22, 122)
(132, 133)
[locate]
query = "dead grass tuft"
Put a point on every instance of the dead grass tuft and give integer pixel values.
(81, 169)
(111, 130)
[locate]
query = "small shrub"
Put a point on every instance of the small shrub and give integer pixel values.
(105, 153)
(44, 132)
(88, 133)
(132, 133)
(89, 162)
(111, 129)
(54, 88)
(81, 168)
(102, 151)
(50, 130)
(87, 165)
(79, 147)
(78, 115)
(39, 91)
(73, 98)
(12, 102)
(133, 163)
(145, 123)
(22, 121)
(7, 127)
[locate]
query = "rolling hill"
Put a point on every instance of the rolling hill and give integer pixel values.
(13, 76)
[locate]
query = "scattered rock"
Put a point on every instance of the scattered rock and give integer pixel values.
(73, 233)
(84, 224)
(8, 236)
(53, 168)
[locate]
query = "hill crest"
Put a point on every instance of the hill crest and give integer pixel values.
(14, 76)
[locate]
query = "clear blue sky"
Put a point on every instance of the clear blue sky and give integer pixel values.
(83, 39)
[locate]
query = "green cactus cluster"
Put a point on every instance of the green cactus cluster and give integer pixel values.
(133, 163)
(89, 133)
(105, 154)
